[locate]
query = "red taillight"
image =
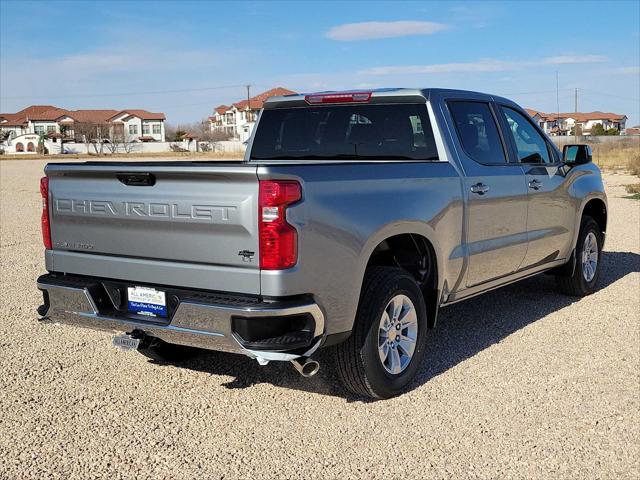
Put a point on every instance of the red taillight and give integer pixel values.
(345, 97)
(44, 221)
(278, 239)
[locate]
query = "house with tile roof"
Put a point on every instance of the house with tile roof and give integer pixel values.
(238, 119)
(131, 125)
(561, 124)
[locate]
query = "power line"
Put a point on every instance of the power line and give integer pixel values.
(538, 92)
(611, 95)
(125, 94)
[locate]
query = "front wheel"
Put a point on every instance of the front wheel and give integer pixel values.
(387, 344)
(588, 260)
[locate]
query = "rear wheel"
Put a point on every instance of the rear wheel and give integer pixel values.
(588, 259)
(387, 344)
(161, 351)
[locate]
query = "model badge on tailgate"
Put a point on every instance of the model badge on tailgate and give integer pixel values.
(212, 213)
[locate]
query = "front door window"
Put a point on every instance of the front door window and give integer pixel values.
(531, 146)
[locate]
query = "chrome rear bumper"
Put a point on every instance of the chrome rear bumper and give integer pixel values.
(194, 323)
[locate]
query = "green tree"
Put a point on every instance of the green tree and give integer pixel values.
(64, 129)
(598, 129)
(42, 148)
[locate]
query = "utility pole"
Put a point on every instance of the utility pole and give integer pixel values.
(557, 94)
(557, 105)
(575, 122)
(248, 102)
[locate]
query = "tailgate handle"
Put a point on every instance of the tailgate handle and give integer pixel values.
(137, 179)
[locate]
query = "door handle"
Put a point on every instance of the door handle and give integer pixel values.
(535, 184)
(479, 188)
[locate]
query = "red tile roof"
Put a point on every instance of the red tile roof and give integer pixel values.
(13, 119)
(141, 114)
(583, 117)
(257, 101)
(51, 113)
(578, 116)
(35, 110)
(48, 115)
(91, 116)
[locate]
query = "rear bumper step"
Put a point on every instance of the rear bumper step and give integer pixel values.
(279, 330)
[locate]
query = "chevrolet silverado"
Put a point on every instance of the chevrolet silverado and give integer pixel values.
(353, 218)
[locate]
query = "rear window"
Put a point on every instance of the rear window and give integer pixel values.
(345, 132)
(478, 132)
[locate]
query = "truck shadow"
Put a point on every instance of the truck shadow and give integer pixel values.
(463, 330)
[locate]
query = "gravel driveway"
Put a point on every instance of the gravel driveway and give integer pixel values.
(521, 382)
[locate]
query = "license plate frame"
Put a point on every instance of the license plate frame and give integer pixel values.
(147, 301)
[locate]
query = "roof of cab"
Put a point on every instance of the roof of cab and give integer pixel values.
(384, 95)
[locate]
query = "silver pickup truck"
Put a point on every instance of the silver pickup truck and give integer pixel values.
(353, 218)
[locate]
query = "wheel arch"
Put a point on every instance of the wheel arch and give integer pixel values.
(596, 208)
(413, 248)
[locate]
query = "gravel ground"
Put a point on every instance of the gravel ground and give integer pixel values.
(522, 382)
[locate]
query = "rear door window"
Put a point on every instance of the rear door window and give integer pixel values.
(478, 132)
(350, 132)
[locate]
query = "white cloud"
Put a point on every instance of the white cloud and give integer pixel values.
(482, 65)
(626, 71)
(114, 77)
(369, 30)
(488, 65)
(570, 59)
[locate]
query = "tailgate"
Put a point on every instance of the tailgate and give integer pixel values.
(190, 213)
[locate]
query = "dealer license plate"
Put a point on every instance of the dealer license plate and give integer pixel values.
(146, 301)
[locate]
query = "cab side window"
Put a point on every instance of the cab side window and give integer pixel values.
(478, 132)
(531, 146)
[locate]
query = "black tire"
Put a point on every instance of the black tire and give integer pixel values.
(358, 363)
(164, 352)
(577, 285)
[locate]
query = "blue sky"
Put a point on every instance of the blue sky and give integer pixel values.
(185, 58)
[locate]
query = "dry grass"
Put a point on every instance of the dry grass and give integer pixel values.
(633, 188)
(118, 156)
(623, 155)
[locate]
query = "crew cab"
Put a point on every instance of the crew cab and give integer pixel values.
(353, 218)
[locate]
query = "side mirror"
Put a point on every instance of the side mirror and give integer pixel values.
(576, 154)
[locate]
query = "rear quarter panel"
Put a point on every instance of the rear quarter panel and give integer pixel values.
(347, 210)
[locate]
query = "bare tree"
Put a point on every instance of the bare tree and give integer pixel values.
(174, 133)
(130, 147)
(116, 138)
(203, 131)
(93, 134)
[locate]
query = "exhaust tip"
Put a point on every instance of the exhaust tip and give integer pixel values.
(306, 367)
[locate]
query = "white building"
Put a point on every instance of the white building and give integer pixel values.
(18, 130)
(238, 119)
(560, 124)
